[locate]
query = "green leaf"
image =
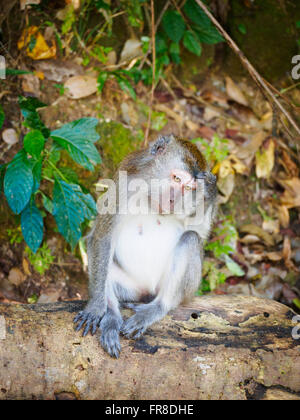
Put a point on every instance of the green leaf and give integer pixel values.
(70, 208)
(14, 72)
(175, 52)
(36, 167)
(196, 14)
(48, 204)
(208, 34)
(30, 104)
(18, 182)
(2, 117)
(32, 119)
(101, 80)
(69, 174)
(160, 45)
(34, 142)
(2, 169)
(233, 267)
(32, 226)
(191, 43)
(173, 25)
(242, 28)
(126, 86)
(78, 138)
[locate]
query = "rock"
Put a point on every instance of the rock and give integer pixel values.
(131, 49)
(49, 297)
(31, 84)
(16, 277)
(81, 86)
(10, 136)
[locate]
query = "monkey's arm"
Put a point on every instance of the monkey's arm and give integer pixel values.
(99, 246)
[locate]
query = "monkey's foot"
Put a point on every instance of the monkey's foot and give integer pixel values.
(90, 319)
(136, 325)
(111, 343)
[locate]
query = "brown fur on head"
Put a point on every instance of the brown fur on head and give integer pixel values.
(164, 150)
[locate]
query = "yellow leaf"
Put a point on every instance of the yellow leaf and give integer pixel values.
(36, 46)
(40, 75)
(265, 159)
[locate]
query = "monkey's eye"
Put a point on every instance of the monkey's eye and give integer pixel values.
(187, 187)
(176, 178)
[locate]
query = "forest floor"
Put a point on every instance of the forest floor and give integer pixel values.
(255, 246)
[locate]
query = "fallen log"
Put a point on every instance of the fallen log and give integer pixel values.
(218, 347)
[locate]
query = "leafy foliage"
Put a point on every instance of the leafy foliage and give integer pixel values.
(41, 261)
(173, 25)
(38, 160)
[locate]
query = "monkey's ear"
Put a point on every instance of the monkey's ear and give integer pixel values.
(160, 145)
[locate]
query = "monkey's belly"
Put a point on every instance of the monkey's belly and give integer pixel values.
(144, 247)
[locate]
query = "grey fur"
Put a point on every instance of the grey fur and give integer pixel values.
(182, 274)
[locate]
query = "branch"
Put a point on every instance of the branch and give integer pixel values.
(217, 347)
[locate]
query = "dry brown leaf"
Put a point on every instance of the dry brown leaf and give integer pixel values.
(26, 268)
(226, 186)
(258, 231)
(287, 253)
(265, 159)
(249, 239)
(290, 166)
(235, 93)
(81, 86)
(284, 216)
(41, 49)
(271, 226)
(248, 149)
(291, 196)
(237, 165)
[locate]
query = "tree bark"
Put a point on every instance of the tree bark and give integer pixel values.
(218, 347)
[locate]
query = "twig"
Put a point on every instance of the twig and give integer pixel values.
(156, 26)
(254, 74)
(153, 73)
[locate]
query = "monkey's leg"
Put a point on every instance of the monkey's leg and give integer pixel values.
(98, 256)
(180, 281)
(110, 326)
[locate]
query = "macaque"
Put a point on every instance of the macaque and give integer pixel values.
(149, 260)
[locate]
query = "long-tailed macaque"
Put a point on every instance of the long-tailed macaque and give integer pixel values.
(149, 260)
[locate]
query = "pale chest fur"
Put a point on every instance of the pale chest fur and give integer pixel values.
(144, 245)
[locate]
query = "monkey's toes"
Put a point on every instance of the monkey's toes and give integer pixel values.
(134, 327)
(90, 320)
(111, 343)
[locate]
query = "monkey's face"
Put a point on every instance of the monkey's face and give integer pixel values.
(184, 178)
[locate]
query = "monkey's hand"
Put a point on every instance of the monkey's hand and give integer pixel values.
(145, 315)
(91, 317)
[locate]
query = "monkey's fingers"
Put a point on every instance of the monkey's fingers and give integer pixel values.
(91, 322)
(111, 343)
(136, 325)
